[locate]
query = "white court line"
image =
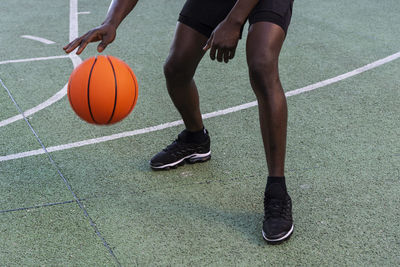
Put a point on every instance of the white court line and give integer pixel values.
(208, 115)
(56, 97)
(32, 59)
(84, 13)
(59, 95)
(39, 39)
(346, 75)
(73, 20)
(76, 60)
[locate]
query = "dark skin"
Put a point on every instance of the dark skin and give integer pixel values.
(263, 46)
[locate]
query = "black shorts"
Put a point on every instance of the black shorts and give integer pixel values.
(205, 15)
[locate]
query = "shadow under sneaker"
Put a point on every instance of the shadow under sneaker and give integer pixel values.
(278, 221)
(181, 151)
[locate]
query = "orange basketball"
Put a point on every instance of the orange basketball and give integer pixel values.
(102, 90)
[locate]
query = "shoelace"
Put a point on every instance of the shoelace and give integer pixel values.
(177, 145)
(274, 208)
(172, 146)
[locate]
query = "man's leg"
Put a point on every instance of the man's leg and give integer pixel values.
(264, 44)
(193, 144)
(184, 56)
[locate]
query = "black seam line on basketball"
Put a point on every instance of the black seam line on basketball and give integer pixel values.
(79, 203)
(116, 90)
(88, 90)
(135, 83)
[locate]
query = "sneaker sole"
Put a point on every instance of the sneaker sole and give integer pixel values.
(193, 158)
(278, 240)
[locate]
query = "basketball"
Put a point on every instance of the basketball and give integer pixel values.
(102, 90)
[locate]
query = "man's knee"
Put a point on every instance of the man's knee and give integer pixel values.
(264, 74)
(176, 71)
(263, 68)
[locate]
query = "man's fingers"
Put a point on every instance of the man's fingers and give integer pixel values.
(102, 46)
(212, 52)
(220, 54)
(82, 47)
(217, 51)
(227, 56)
(81, 42)
(72, 45)
(209, 42)
(208, 45)
(232, 53)
(106, 40)
(92, 36)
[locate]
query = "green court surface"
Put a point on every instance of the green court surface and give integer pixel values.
(93, 199)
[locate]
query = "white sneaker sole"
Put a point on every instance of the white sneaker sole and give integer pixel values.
(279, 239)
(193, 158)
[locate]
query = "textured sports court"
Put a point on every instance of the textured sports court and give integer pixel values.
(75, 194)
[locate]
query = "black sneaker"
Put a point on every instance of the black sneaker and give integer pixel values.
(181, 151)
(278, 221)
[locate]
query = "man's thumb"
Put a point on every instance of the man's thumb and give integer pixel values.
(208, 45)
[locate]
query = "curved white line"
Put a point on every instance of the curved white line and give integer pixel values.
(76, 60)
(39, 39)
(208, 115)
(60, 94)
(345, 75)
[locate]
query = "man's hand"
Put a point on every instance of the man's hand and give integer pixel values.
(105, 33)
(223, 41)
